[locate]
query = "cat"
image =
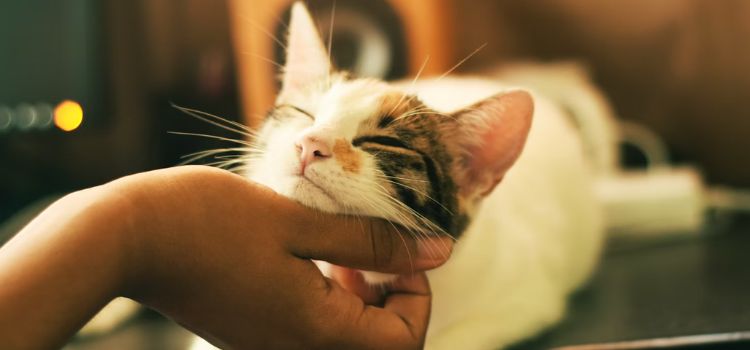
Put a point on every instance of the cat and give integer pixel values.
(498, 168)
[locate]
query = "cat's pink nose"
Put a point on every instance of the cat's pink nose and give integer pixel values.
(312, 148)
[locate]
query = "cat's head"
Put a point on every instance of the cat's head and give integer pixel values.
(362, 146)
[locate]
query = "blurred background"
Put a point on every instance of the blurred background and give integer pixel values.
(124, 63)
(87, 86)
(678, 66)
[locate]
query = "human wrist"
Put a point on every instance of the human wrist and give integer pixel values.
(157, 229)
(132, 235)
(112, 235)
(62, 268)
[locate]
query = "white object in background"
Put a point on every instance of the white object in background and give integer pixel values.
(668, 200)
(110, 317)
(569, 84)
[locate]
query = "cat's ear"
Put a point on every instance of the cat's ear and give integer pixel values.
(307, 60)
(491, 137)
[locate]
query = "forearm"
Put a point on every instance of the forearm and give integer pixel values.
(61, 269)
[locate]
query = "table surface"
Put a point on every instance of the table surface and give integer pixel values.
(677, 287)
(695, 285)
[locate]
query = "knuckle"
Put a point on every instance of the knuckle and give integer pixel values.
(325, 332)
(318, 334)
(320, 339)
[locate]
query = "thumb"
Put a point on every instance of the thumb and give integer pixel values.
(368, 244)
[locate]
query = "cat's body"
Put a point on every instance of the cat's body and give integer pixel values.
(534, 240)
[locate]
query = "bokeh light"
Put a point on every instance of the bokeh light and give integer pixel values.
(68, 115)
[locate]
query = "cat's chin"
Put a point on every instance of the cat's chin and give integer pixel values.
(309, 194)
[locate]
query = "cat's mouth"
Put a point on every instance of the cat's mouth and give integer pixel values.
(313, 184)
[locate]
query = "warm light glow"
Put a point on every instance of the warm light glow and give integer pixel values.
(68, 115)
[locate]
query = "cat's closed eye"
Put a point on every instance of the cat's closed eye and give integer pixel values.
(297, 109)
(381, 140)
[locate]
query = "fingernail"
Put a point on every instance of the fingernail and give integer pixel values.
(435, 249)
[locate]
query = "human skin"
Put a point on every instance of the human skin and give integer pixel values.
(227, 258)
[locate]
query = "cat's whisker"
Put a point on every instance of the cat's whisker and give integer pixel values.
(402, 178)
(279, 21)
(411, 114)
(426, 223)
(403, 240)
(404, 215)
(245, 129)
(223, 164)
(389, 179)
(417, 191)
(411, 98)
(211, 137)
(190, 158)
(406, 114)
(330, 38)
(462, 61)
(245, 165)
(409, 215)
(264, 58)
(226, 160)
(217, 121)
(393, 210)
(413, 82)
(411, 262)
(218, 151)
(419, 72)
(420, 111)
(237, 169)
(231, 157)
(267, 33)
(404, 220)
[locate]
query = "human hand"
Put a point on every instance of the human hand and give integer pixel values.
(225, 257)
(230, 260)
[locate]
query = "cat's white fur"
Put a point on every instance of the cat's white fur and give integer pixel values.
(535, 239)
(338, 112)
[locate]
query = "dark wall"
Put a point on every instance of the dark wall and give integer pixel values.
(680, 66)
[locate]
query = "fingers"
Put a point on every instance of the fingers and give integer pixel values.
(353, 281)
(400, 324)
(410, 298)
(367, 244)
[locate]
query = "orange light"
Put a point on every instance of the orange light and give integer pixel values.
(68, 115)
